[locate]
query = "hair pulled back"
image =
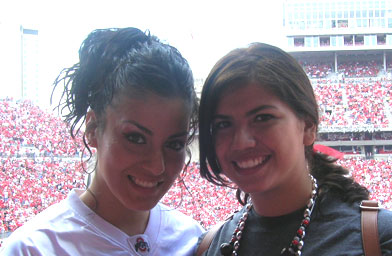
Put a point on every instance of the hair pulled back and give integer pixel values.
(119, 61)
(281, 74)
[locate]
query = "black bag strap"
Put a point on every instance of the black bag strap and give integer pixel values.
(370, 239)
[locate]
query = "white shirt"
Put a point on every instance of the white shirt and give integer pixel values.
(71, 228)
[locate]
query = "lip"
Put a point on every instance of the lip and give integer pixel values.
(250, 165)
(144, 184)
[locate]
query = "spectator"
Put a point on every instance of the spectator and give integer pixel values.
(139, 122)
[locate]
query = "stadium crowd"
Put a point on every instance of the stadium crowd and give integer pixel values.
(359, 68)
(210, 204)
(27, 130)
(198, 198)
(40, 162)
(355, 103)
(317, 70)
(375, 174)
(348, 69)
(30, 185)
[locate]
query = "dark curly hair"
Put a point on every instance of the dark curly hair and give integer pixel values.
(278, 71)
(122, 61)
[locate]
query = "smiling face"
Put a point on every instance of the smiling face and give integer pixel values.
(140, 150)
(259, 141)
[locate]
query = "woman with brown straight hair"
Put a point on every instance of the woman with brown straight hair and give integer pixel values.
(258, 122)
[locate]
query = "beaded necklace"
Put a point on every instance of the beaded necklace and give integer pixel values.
(295, 247)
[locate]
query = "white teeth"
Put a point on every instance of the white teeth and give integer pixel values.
(143, 183)
(250, 163)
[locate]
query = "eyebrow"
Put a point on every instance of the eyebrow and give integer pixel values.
(141, 127)
(249, 113)
(149, 132)
(257, 109)
(178, 135)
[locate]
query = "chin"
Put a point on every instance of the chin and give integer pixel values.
(142, 208)
(141, 205)
(253, 190)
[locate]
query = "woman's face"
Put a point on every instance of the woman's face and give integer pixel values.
(259, 141)
(140, 149)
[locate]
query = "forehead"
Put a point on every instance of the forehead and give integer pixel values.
(150, 109)
(249, 90)
(143, 99)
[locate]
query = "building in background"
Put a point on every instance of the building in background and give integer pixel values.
(345, 47)
(337, 28)
(19, 63)
(10, 61)
(30, 64)
(338, 24)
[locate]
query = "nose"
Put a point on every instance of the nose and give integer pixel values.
(243, 139)
(155, 163)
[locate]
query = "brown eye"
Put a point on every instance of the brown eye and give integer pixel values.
(221, 125)
(136, 138)
(263, 117)
(176, 145)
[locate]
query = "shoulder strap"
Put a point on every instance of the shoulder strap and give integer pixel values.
(207, 239)
(370, 240)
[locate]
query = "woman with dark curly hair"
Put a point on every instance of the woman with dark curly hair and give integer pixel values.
(136, 97)
(258, 122)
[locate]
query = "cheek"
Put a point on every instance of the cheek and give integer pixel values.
(116, 154)
(221, 147)
(175, 164)
(287, 143)
(222, 140)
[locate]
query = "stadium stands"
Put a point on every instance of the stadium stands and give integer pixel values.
(210, 204)
(374, 174)
(317, 70)
(28, 131)
(348, 69)
(40, 162)
(355, 103)
(359, 69)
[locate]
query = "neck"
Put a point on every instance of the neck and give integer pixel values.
(283, 200)
(130, 222)
(296, 244)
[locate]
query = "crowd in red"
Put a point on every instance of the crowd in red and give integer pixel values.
(317, 70)
(27, 130)
(200, 199)
(30, 185)
(349, 69)
(211, 204)
(375, 174)
(359, 69)
(40, 162)
(356, 102)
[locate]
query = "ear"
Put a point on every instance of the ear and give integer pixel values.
(309, 133)
(91, 129)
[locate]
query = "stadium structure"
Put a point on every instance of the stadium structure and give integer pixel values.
(346, 49)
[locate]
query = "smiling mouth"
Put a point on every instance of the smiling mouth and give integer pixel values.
(251, 163)
(144, 183)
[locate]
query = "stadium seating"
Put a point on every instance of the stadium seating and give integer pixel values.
(355, 103)
(317, 70)
(40, 162)
(359, 69)
(374, 174)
